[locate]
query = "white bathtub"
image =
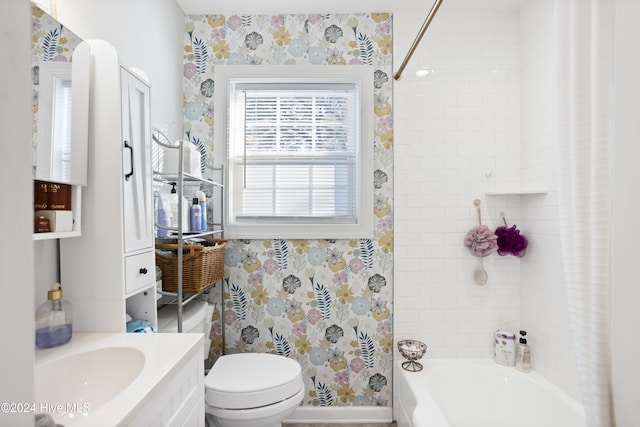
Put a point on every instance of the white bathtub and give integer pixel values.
(479, 393)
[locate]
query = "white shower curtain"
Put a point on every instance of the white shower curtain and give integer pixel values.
(584, 55)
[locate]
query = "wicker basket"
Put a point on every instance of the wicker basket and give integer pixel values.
(201, 266)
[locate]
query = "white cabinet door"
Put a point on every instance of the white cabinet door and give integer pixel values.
(136, 161)
(109, 271)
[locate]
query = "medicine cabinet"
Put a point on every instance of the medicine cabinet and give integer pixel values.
(61, 70)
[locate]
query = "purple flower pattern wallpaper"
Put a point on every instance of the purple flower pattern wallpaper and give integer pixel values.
(325, 303)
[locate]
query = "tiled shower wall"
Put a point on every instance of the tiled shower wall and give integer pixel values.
(457, 134)
(482, 120)
(326, 303)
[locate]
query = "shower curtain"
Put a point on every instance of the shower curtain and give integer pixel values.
(584, 55)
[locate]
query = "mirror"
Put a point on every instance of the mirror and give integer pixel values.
(60, 106)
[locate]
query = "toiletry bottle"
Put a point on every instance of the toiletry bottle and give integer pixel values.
(163, 214)
(202, 201)
(523, 354)
(196, 216)
(53, 320)
(504, 352)
(174, 204)
(186, 205)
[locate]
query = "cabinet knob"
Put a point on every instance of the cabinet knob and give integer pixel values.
(143, 270)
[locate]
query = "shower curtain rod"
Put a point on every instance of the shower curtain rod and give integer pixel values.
(413, 47)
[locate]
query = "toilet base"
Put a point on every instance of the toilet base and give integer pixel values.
(210, 422)
(266, 416)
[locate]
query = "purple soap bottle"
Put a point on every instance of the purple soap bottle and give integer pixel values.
(53, 320)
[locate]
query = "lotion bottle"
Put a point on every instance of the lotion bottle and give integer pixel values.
(196, 216)
(53, 320)
(523, 354)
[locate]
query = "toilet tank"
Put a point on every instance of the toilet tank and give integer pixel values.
(193, 318)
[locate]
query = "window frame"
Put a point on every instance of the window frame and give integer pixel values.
(362, 77)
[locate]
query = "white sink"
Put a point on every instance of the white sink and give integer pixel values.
(83, 382)
(119, 379)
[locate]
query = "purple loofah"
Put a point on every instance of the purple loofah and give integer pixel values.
(510, 241)
(481, 241)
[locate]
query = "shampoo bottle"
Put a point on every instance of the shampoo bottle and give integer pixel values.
(196, 216)
(505, 347)
(523, 354)
(53, 320)
(202, 201)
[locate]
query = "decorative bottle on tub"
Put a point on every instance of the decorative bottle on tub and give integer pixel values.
(504, 352)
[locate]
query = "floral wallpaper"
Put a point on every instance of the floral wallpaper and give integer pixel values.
(325, 303)
(50, 41)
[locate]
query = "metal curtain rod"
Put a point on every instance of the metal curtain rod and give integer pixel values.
(413, 47)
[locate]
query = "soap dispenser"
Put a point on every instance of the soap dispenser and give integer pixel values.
(523, 354)
(53, 320)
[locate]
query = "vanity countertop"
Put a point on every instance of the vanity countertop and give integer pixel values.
(163, 356)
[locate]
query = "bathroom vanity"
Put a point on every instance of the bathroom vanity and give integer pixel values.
(122, 379)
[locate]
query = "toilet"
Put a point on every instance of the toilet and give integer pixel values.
(252, 390)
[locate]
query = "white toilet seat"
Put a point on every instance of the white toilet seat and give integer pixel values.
(244, 381)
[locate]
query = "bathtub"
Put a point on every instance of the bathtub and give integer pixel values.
(479, 393)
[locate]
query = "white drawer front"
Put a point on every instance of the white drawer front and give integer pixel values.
(140, 271)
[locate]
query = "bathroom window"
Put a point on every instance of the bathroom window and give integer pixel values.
(299, 150)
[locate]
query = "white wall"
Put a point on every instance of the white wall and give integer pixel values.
(626, 292)
(451, 129)
(16, 254)
(147, 34)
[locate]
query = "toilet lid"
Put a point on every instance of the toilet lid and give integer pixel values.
(252, 380)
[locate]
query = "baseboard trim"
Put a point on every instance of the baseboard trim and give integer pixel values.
(341, 414)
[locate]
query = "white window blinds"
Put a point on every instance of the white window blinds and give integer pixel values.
(294, 152)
